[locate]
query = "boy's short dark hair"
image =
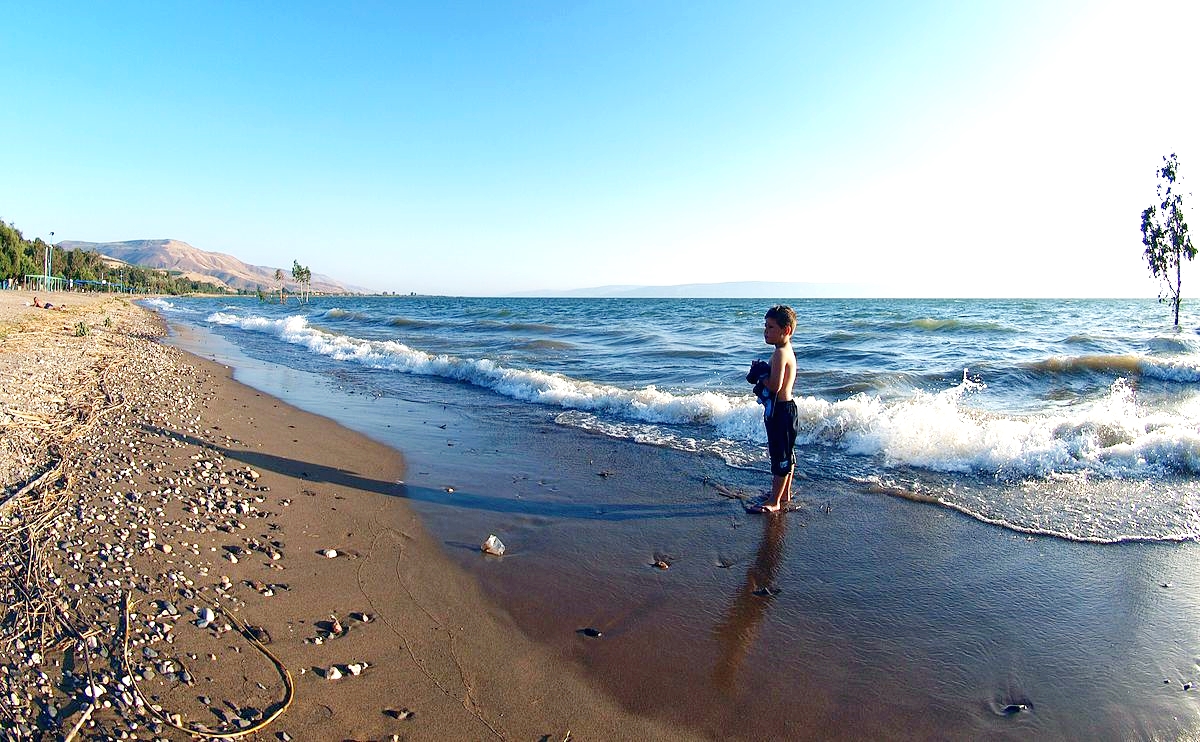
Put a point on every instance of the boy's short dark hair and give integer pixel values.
(783, 315)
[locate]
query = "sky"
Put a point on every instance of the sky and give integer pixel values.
(487, 148)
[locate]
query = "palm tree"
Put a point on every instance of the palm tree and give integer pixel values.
(279, 278)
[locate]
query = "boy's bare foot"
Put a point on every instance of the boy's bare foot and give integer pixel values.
(764, 508)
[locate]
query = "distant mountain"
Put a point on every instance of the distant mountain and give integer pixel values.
(730, 290)
(213, 267)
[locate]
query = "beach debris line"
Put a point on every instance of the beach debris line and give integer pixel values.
(493, 545)
(246, 723)
(97, 504)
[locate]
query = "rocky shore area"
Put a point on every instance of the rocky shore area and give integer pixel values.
(183, 557)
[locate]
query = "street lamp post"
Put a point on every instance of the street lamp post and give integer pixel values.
(48, 261)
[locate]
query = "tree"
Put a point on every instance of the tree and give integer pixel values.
(302, 276)
(279, 278)
(1165, 235)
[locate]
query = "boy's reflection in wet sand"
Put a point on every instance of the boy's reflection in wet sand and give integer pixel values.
(750, 604)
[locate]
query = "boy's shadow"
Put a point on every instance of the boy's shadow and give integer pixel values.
(737, 631)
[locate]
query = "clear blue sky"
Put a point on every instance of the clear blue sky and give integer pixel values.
(933, 148)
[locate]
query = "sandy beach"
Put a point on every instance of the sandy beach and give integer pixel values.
(185, 556)
(290, 578)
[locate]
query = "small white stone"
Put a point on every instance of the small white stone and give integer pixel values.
(333, 674)
(206, 617)
(329, 553)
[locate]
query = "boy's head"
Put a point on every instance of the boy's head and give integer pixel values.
(779, 325)
(784, 316)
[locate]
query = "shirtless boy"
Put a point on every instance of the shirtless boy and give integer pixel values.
(780, 416)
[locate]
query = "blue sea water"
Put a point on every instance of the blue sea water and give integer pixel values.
(1073, 418)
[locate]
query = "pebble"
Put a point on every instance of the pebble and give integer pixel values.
(329, 553)
(206, 617)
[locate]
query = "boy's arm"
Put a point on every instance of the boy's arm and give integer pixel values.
(774, 382)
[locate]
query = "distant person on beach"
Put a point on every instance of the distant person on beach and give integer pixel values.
(37, 303)
(773, 387)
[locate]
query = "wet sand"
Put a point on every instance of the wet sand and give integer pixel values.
(185, 491)
(856, 616)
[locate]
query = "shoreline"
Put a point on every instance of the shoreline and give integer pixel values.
(880, 617)
(194, 490)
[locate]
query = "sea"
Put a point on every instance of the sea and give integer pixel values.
(1072, 418)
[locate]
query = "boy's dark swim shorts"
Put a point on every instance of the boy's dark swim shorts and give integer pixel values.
(782, 426)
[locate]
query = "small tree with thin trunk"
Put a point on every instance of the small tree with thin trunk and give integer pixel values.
(279, 279)
(1165, 235)
(303, 277)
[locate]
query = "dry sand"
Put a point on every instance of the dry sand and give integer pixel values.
(135, 474)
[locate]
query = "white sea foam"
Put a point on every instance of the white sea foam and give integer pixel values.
(1112, 437)
(162, 305)
(1184, 370)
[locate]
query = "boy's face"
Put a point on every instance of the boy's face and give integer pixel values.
(774, 334)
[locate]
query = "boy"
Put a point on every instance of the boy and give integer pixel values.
(780, 416)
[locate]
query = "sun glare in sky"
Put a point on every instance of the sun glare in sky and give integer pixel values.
(925, 149)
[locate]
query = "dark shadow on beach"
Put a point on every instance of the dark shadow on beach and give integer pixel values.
(612, 512)
(321, 473)
(287, 466)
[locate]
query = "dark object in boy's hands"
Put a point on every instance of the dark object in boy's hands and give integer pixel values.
(759, 371)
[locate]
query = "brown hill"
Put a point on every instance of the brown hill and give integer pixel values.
(198, 264)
